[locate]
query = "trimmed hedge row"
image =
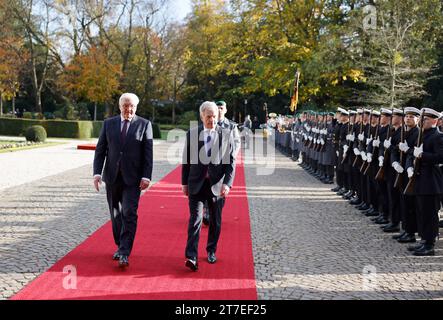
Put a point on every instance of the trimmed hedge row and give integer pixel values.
(54, 128)
(66, 128)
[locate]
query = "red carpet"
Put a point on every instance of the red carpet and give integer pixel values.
(157, 268)
(86, 146)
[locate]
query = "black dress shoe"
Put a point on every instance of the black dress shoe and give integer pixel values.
(192, 264)
(425, 250)
(407, 238)
(372, 214)
(364, 207)
(416, 246)
(391, 228)
(211, 257)
(359, 205)
(336, 189)
(398, 236)
(382, 221)
(355, 201)
(342, 192)
(123, 261)
(116, 256)
(440, 224)
(371, 209)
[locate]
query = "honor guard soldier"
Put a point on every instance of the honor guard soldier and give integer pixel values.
(422, 167)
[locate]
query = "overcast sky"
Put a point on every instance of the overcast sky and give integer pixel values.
(179, 9)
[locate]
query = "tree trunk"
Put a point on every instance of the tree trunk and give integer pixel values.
(13, 105)
(1, 105)
(174, 100)
(95, 111)
(393, 84)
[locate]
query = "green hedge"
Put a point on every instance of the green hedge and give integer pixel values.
(66, 128)
(170, 127)
(54, 128)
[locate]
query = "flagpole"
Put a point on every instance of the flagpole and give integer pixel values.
(294, 95)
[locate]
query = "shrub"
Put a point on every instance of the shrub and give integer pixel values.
(36, 134)
(48, 115)
(187, 117)
(156, 131)
(27, 115)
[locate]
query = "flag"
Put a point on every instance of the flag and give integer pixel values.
(294, 98)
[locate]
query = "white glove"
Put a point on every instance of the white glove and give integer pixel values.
(337, 153)
(297, 139)
(397, 167)
(315, 141)
(363, 156)
(356, 151)
(418, 151)
(345, 148)
(387, 143)
(310, 138)
(381, 160)
(322, 142)
(352, 137)
(368, 141)
(403, 146)
(361, 137)
(376, 143)
(369, 157)
(410, 172)
(348, 137)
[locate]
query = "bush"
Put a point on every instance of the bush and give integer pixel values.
(48, 115)
(36, 134)
(54, 128)
(187, 117)
(27, 115)
(156, 131)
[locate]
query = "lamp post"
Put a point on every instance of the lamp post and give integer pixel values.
(265, 109)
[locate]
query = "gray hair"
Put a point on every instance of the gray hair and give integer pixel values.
(208, 105)
(133, 99)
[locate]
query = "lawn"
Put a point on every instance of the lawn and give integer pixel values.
(26, 147)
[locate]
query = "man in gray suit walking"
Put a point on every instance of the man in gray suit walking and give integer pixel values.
(208, 172)
(125, 143)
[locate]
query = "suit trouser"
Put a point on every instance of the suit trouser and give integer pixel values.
(427, 216)
(330, 171)
(123, 205)
(215, 206)
(383, 198)
(409, 215)
(372, 192)
(394, 201)
(355, 182)
(340, 179)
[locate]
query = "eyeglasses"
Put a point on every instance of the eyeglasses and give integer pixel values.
(128, 106)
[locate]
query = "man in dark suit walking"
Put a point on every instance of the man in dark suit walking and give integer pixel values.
(125, 143)
(208, 172)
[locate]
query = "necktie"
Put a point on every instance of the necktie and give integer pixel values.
(123, 132)
(208, 141)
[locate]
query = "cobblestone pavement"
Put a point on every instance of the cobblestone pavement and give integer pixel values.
(24, 166)
(41, 221)
(308, 243)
